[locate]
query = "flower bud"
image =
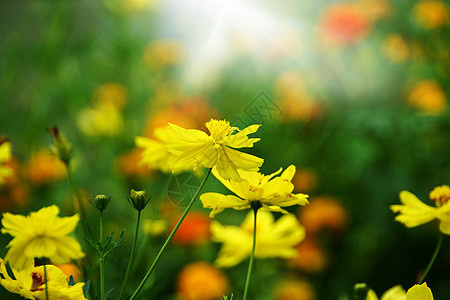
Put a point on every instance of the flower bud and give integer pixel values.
(61, 148)
(101, 202)
(360, 291)
(138, 199)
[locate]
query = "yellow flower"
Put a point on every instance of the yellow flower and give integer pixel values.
(113, 94)
(428, 96)
(5, 156)
(396, 48)
(104, 119)
(40, 234)
(413, 212)
(431, 14)
(417, 292)
(30, 283)
(190, 148)
(272, 193)
(273, 238)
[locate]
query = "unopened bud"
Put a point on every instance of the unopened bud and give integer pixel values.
(61, 147)
(138, 199)
(101, 202)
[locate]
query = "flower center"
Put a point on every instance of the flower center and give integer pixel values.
(219, 129)
(37, 281)
(440, 194)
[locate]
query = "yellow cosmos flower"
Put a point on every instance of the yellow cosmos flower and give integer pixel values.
(102, 120)
(30, 283)
(273, 238)
(414, 212)
(5, 155)
(417, 292)
(191, 148)
(40, 234)
(155, 154)
(272, 193)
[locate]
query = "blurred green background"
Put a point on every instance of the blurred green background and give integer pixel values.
(354, 94)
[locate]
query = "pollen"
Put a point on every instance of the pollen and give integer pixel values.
(219, 129)
(440, 194)
(37, 281)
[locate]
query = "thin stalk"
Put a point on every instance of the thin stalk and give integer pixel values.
(130, 261)
(46, 284)
(77, 193)
(102, 262)
(433, 258)
(169, 238)
(250, 265)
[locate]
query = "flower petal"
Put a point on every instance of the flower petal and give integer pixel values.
(219, 202)
(419, 292)
(413, 212)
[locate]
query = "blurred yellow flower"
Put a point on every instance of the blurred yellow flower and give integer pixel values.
(413, 212)
(201, 281)
(44, 167)
(5, 156)
(431, 14)
(272, 192)
(155, 227)
(375, 9)
(110, 94)
(428, 96)
(273, 238)
(417, 292)
(396, 48)
(30, 283)
(190, 148)
(162, 53)
(100, 120)
(294, 289)
(40, 234)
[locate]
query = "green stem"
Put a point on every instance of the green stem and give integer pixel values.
(77, 194)
(433, 258)
(169, 238)
(130, 261)
(46, 284)
(102, 262)
(250, 265)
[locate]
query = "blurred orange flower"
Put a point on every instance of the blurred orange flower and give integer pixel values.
(294, 289)
(344, 24)
(431, 14)
(304, 180)
(375, 9)
(201, 281)
(195, 229)
(428, 96)
(323, 212)
(310, 258)
(162, 53)
(186, 113)
(71, 269)
(296, 103)
(44, 167)
(14, 192)
(111, 93)
(129, 164)
(396, 48)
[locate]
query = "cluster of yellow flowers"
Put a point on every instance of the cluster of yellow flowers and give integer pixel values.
(5, 156)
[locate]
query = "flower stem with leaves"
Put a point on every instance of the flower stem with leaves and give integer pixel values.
(169, 238)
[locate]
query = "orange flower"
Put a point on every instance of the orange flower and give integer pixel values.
(344, 24)
(201, 281)
(304, 180)
(296, 102)
(431, 14)
(14, 192)
(186, 113)
(129, 164)
(71, 269)
(294, 289)
(310, 258)
(195, 230)
(428, 96)
(323, 212)
(110, 94)
(44, 167)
